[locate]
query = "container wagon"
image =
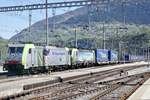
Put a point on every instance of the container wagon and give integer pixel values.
(112, 56)
(101, 56)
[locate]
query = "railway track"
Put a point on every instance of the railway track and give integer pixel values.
(73, 87)
(133, 81)
(82, 78)
(87, 89)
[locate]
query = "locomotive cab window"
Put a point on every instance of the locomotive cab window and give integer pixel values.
(15, 50)
(29, 51)
(20, 50)
(45, 52)
(12, 50)
(70, 52)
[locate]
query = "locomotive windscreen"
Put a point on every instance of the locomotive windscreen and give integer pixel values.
(16, 50)
(15, 53)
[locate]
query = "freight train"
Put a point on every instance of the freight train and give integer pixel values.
(28, 58)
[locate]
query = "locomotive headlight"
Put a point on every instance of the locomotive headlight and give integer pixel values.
(13, 62)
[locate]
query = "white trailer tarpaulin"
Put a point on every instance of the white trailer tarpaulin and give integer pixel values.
(57, 56)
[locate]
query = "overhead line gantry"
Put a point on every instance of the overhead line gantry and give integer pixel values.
(54, 5)
(47, 5)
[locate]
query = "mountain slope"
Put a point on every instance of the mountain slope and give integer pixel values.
(90, 31)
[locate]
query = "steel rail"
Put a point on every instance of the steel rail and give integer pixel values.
(98, 96)
(125, 96)
(104, 90)
(73, 88)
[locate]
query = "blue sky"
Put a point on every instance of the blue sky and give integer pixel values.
(13, 22)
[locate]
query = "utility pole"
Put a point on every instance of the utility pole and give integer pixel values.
(89, 20)
(46, 15)
(120, 51)
(143, 53)
(135, 52)
(30, 19)
(104, 31)
(117, 39)
(0, 55)
(148, 56)
(53, 13)
(123, 11)
(76, 41)
(104, 37)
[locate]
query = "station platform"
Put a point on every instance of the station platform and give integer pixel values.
(142, 93)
